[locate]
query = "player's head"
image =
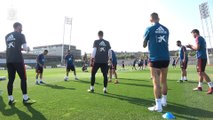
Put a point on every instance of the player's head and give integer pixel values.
(68, 51)
(100, 34)
(154, 18)
(195, 33)
(17, 27)
(178, 43)
(45, 52)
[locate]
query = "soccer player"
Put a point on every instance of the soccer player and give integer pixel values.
(156, 36)
(101, 56)
(123, 65)
(15, 42)
(183, 57)
(134, 63)
(40, 66)
(200, 47)
(69, 60)
(113, 68)
(146, 62)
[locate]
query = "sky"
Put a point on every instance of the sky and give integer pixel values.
(123, 21)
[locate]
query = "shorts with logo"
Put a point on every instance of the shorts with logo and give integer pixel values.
(159, 64)
(201, 65)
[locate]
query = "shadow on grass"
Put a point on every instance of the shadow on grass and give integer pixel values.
(53, 86)
(87, 82)
(36, 115)
(180, 111)
(133, 84)
(130, 79)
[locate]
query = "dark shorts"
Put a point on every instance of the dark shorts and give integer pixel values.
(183, 65)
(71, 67)
(39, 69)
(114, 67)
(201, 65)
(159, 64)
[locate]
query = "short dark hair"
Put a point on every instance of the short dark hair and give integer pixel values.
(195, 31)
(178, 41)
(68, 50)
(46, 51)
(16, 24)
(100, 33)
(154, 16)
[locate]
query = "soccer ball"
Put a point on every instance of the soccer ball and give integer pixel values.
(66, 78)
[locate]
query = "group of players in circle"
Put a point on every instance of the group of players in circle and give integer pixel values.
(156, 37)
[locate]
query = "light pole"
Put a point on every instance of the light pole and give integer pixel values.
(67, 21)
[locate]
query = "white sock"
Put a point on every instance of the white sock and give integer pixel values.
(184, 78)
(105, 89)
(40, 80)
(210, 84)
(25, 96)
(36, 80)
(164, 98)
(181, 78)
(158, 103)
(10, 97)
(91, 87)
(200, 84)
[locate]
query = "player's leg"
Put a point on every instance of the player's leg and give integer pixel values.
(11, 76)
(67, 73)
(163, 79)
(74, 72)
(115, 73)
(93, 73)
(104, 70)
(200, 76)
(157, 90)
(110, 74)
(22, 75)
(206, 77)
(37, 75)
(41, 76)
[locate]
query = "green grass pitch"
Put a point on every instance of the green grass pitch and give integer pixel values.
(60, 100)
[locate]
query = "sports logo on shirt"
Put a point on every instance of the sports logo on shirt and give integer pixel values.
(10, 38)
(160, 30)
(11, 45)
(102, 43)
(161, 38)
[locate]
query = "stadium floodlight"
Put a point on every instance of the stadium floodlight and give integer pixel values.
(204, 15)
(67, 21)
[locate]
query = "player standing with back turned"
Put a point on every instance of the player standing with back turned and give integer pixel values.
(157, 37)
(15, 42)
(101, 56)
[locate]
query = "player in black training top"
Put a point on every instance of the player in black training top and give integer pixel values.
(15, 43)
(101, 58)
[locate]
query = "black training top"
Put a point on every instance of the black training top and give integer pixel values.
(14, 42)
(103, 47)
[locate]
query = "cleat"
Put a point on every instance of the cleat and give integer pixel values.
(164, 104)
(41, 82)
(210, 91)
(186, 80)
(116, 82)
(29, 101)
(180, 81)
(76, 78)
(198, 89)
(154, 109)
(109, 81)
(12, 102)
(90, 91)
(105, 92)
(37, 83)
